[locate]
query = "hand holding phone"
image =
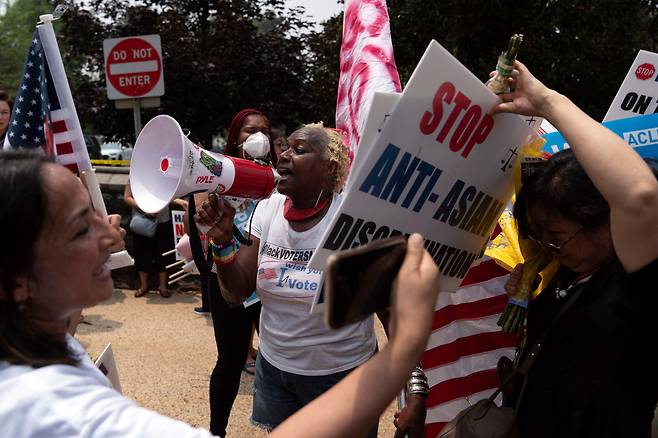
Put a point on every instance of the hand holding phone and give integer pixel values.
(358, 281)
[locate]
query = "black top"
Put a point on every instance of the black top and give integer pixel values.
(594, 376)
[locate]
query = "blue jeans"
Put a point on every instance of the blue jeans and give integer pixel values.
(279, 394)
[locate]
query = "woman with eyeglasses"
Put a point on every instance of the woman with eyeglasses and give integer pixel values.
(595, 207)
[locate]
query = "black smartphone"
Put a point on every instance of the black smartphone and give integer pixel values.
(358, 281)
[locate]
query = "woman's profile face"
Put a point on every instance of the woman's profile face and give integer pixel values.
(69, 272)
(302, 164)
(252, 124)
(4, 116)
(578, 248)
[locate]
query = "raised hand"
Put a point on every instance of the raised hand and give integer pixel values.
(529, 95)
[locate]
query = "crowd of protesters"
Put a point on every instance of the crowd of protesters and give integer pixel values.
(595, 208)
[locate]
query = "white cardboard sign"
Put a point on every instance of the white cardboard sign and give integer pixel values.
(381, 109)
(441, 166)
(106, 364)
(638, 93)
(178, 227)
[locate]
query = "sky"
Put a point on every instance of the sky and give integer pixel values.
(319, 10)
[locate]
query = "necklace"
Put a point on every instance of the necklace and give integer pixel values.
(561, 293)
(294, 214)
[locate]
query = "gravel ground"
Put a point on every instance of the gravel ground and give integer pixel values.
(165, 353)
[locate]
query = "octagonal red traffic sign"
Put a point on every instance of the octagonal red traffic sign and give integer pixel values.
(645, 71)
(133, 67)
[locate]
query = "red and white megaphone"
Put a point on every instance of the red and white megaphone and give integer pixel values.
(166, 165)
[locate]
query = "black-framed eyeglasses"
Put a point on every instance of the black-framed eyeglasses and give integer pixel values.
(552, 247)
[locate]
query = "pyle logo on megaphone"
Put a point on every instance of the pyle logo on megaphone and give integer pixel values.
(166, 165)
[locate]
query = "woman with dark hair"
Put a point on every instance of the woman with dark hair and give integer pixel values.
(53, 264)
(5, 115)
(595, 208)
(234, 326)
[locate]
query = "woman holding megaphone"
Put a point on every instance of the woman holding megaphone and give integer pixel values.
(299, 357)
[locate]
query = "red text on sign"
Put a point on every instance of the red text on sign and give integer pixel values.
(471, 125)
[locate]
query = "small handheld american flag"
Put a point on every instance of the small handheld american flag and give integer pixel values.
(38, 120)
(45, 117)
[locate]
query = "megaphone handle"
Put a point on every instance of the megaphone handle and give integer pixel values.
(202, 228)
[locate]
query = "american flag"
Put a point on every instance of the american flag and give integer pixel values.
(267, 274)
(41, 119)
(465, 344)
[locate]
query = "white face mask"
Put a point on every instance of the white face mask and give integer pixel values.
(257, 145)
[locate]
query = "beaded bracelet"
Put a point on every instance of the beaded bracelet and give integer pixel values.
(418, 383)
(223, 254)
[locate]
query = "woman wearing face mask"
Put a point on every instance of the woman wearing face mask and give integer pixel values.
(299, 357)
(248, 137)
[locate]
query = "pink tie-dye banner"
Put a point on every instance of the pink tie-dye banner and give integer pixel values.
(367, 65)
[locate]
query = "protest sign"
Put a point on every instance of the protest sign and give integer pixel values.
(179, 228)
(638, 93)
(106, 364)
(641, 132)
(441, 166)
(381, 108)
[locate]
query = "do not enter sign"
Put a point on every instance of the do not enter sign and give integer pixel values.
(133, 67)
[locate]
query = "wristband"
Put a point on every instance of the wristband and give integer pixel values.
(223, 254)
(417, 384)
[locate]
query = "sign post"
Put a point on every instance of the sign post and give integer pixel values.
(133, 71)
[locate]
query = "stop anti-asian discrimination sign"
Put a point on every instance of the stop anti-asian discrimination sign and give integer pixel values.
(133, 67)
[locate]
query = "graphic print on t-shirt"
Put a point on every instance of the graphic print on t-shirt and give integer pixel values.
(283, 272)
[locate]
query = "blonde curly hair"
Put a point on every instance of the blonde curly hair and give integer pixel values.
(336, 152)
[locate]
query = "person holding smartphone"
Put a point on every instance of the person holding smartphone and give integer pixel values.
(54, 264)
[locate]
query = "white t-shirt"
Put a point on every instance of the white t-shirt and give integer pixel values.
(75, 401)
(291, 338)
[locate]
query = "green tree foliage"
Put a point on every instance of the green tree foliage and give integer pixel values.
(223, 55)
(219, 57)
(17, 25)
(323, 63)
(583, 48)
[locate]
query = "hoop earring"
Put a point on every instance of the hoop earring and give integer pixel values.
(319, 196)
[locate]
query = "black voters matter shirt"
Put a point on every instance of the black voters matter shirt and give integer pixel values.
(594, 376)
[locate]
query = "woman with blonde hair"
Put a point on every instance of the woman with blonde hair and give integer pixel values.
(299, 357)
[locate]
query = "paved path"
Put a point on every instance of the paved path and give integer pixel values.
(165, 353)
